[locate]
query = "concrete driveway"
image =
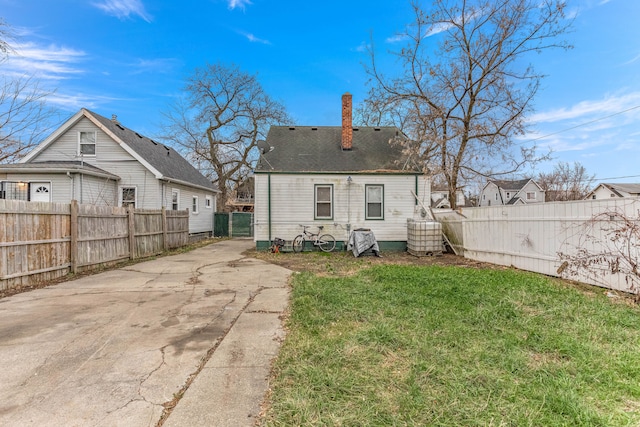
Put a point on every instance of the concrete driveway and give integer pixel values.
(117, 348)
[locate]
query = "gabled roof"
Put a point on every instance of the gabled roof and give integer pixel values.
(161, 160)
(511, 185)
(626, 188)
(58, 167)
(318, 149)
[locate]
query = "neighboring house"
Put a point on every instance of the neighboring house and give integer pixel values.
(502, 192)
(440, 198)
(608, 190)
(96, 160)
(339, 177)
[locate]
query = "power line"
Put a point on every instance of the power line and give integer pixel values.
(585, 123)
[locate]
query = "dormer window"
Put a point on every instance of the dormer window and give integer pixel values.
(87, 143)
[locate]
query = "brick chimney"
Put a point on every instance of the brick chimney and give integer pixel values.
(347, 122)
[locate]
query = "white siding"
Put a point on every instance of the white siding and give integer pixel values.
(292, 204)
(111, 157)
(199, 222)
(489, 194)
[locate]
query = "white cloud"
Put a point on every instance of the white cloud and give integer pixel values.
(590, 109)
(49, 62)
(124, 9)
(253, 39)
(240, 4)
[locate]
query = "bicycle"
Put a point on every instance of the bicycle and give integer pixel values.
(326, 242)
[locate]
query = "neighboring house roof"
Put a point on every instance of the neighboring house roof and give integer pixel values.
(633, 189)
(163, 161)
(58, 167)
(511, 185)
(515, 200)
(440, 203)
(318, 149)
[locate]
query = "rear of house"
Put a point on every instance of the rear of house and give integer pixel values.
(341, 178)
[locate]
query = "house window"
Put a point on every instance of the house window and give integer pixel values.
(508, 195)
(612, 195)
(593, 197)
(374, 195)
(175, 198)
(207, 202)
(496, 196)
(531, 195)
(484, 197)
(324, 202)
(128, 196)
(87, 141)
(194, 204)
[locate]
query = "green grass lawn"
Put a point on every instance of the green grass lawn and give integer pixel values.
(453, 346)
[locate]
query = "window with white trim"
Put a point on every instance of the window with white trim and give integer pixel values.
(87, 143)
(128, 196)
(208, 203)
(194, 204)
(374, 195)
(175, 199)
(323, 202)
(531, 195)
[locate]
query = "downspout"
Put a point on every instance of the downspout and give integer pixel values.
(73, 187)
(269, 203)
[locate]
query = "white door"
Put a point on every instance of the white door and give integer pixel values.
(40, 191)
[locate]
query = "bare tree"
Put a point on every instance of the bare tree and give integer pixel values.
(219, 121)
(25, 116)
(566, 182)
(464, 101)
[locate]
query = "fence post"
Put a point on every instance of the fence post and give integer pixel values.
(165, 243)
(132, 232)
(73, 245)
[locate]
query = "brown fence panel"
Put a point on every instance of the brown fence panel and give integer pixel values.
(102, 235)
(177, 229)
(44, 241)
(34, 242)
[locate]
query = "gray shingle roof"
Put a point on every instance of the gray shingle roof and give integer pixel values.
(61, 166)
(318, 149)
(511, 185)
(163, 158)
(627, 188)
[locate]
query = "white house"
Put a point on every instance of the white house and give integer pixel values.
(96, 160)
(609, 190)
(502, 192)
(339, 177)
(440, 198)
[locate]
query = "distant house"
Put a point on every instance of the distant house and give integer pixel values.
(440, 198)
(608, 190)
(502, 192)
(96, 160)
(339, 177)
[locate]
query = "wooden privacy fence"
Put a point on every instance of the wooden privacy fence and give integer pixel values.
(591, 241)
(45, 241)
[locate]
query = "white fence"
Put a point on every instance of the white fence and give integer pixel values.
(591, 241)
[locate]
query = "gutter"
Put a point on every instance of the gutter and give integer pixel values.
(188, 184)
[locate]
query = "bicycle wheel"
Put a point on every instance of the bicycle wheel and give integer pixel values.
(298, 243)
(327, 242)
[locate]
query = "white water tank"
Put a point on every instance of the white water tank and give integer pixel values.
(424, 238)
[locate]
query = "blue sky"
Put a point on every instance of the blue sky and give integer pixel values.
(130, 58)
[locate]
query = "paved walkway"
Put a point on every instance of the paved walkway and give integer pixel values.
(116, 348)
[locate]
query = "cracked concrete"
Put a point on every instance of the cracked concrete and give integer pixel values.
(114, 348)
